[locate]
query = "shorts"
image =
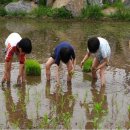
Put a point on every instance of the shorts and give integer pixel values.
(100, 59)
(53, 55)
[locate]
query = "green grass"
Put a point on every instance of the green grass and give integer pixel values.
(121, 14)
(5, 1)
(92, 12)
(50, 12)
(62, 13)
(32, 67)
(43, 11)
(87, 65)
(2, 11)
(42, 2)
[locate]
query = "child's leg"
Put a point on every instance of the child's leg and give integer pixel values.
(102, 75)
(94, 65)
(69, 68)
(48, 66)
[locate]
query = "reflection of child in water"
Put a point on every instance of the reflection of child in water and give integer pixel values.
(127, 124)
(99, 97)
(62, 101)
(17, 112)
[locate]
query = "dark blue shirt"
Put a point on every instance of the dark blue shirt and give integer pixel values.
(58, 48)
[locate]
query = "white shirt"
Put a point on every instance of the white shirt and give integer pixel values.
(104, 50)
(12, 39)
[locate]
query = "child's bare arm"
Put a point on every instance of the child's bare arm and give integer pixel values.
(7, 70)
(21, 74)
(85, 58)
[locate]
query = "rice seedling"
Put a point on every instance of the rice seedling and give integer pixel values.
(45, 122)
(85, 95)
(98, 108)
(66, 119)
(32, 67)
(87, 65)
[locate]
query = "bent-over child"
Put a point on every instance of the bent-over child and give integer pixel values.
(15, 44)
(100, 47)
(63, 52)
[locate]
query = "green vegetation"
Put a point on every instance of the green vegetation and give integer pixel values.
(60, 113)
(89, 12)
(55, 13)
(118, 4)
(5, 1)
(121, 14)
(55, 121)
(98, 108)
(87, 65)
(42, 2)
(62, 13)
(42, 11)
(2, 11)
(92, 12)
(32, 67)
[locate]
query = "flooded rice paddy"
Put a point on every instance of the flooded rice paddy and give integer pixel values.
(82, 104)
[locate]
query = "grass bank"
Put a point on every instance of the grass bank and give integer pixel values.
(90, 12)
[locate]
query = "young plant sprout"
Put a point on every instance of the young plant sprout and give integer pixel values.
(87, 65)
(32, 67)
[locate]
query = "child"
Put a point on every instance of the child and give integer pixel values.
(63, 52)
(100, 47)
(20, 46)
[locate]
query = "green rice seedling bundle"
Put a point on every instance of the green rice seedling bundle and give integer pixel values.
(32, 67)
(87, 65)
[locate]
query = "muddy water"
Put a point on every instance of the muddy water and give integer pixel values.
(83, 104)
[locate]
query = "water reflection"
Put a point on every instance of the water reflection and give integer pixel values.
(17, 115)
(61, 104)
(39, 100)
(127, 124)
(96, 109)
(19, 27)
(33, 80)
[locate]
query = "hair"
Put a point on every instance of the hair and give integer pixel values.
(26, 45)
(93, 44)
(65, 54)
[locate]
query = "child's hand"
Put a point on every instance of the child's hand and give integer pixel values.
(94, 69)
(81, 64)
